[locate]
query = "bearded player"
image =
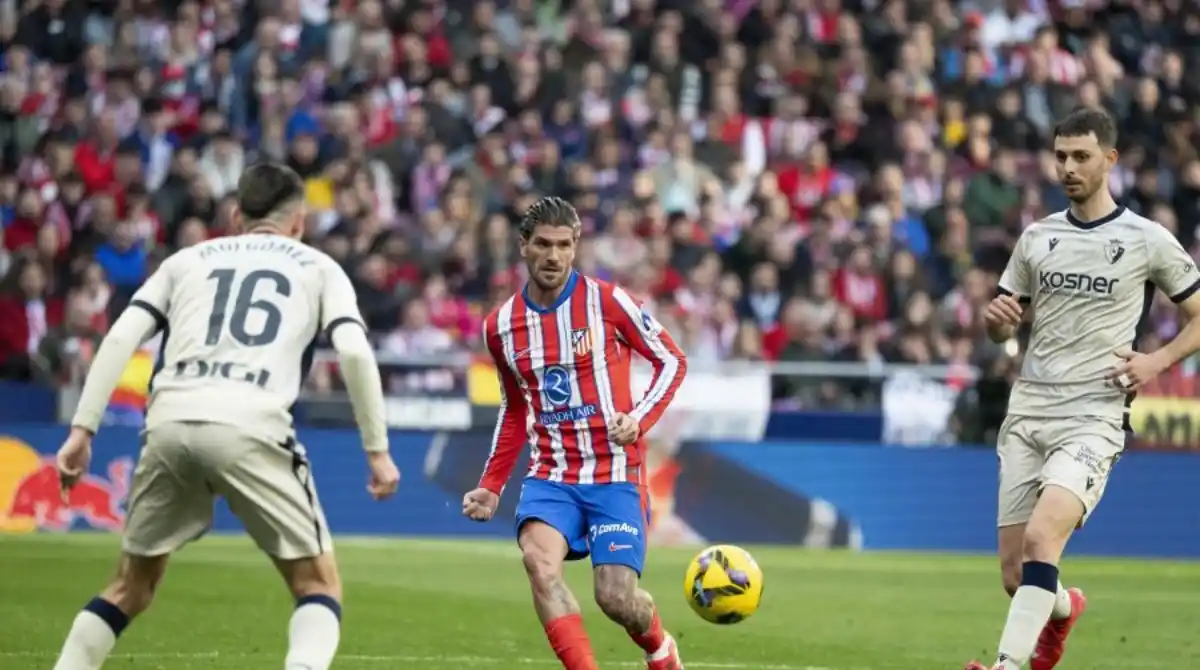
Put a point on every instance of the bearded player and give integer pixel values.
(1088, 274)
(562, 348)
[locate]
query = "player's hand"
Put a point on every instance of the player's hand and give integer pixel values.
(623, 429)
(74, 458)
(1136, 369)
(385, 476)
(480, 504)
(1002, 311)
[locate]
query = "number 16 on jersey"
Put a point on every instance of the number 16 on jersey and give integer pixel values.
(244, 304)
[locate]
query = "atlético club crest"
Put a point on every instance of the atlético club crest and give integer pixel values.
(581, 341)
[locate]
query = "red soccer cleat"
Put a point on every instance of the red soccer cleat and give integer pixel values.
(1052, 643)
(666, 658)
(976, 665)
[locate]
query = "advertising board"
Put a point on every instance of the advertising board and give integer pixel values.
(815, 494)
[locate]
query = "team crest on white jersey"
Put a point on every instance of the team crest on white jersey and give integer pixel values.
(1114, 250)
(581, 341)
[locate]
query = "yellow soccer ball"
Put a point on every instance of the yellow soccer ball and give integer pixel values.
(723, 584)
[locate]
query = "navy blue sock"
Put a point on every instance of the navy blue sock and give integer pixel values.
(109, 614)
(1041, 575)
(323, 600)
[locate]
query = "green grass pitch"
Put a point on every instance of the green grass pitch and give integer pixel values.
(442, 605)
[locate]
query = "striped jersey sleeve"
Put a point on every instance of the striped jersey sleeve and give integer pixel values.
(511, 431)
(645, 335)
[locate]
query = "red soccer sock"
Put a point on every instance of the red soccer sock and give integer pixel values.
(570, 643)
(652, 640)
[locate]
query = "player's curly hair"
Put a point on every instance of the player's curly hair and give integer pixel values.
(549, 211)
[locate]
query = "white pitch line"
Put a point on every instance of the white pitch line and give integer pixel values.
(372, 658)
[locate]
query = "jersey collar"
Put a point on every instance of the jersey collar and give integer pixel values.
(1088, 225)
(567, 290)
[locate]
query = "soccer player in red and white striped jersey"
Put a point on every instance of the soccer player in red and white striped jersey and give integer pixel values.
(563, 348)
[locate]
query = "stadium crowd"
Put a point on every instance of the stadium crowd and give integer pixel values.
(794, 180)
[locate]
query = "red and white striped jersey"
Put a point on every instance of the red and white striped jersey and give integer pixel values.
(565, 373)
(1063, 66)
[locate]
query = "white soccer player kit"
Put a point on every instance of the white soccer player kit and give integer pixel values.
(1090, 287)
(240, 317)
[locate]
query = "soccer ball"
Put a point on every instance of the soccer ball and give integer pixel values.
(723, 584)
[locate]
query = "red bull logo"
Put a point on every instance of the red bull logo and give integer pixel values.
(30, 497)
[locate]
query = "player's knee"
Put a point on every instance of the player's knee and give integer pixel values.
(1043, 543)
(617, 592)
(542, 567)
(616, 602)
(1058, 512)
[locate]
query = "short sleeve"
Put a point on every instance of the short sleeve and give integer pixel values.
(1017, 278)
(339, 301)
(1172, 269)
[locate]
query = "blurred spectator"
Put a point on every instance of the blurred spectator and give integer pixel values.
(27, 313)
(64, 353)
(417, 336)
(123, 260)
(800, 182)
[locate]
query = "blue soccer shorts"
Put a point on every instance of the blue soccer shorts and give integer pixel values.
(606, 521)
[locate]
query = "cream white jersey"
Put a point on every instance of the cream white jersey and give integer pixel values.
(240, 318)
(1090, 285)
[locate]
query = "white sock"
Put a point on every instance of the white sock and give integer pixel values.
(1062, 604)
(313, 637)
(90, 641)
(1027, 615)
